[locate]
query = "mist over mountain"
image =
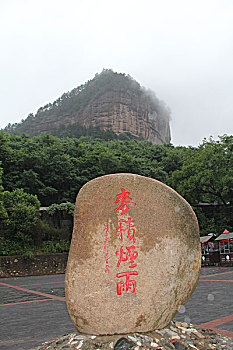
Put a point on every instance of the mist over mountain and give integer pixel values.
(112, 102)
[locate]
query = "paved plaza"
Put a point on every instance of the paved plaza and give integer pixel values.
(33, 309)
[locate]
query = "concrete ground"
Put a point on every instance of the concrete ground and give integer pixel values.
(33, 309)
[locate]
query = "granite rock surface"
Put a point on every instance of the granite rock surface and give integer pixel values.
(178, 335)
(134, 257)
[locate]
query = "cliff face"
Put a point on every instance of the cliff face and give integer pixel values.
(122, 113)
(103, 104)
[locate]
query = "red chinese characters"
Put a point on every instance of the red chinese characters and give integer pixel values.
(126, 226)
(106, 256)
(128, 254)
(124, 200)
(128, 284)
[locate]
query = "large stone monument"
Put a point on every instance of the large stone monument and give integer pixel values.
(134, 258)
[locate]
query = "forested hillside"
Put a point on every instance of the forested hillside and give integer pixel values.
(55, 169)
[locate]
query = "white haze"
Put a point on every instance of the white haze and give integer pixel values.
(182, 50)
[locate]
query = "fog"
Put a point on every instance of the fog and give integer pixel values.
(181, 50)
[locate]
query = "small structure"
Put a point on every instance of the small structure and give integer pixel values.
(225, 246)
(209, 250)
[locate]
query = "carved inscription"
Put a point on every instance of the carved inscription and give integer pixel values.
(106, 246)
(127, 253)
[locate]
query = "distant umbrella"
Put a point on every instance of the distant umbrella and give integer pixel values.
(226, 231)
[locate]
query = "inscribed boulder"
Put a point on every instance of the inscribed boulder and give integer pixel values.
(134, 257)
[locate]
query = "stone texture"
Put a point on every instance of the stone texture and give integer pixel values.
(117, 111)
(168, 261)
(122, 113)
(151, 340)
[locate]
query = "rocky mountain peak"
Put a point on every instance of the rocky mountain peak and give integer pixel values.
(110, 101)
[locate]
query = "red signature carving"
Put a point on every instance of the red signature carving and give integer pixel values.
(106, 256)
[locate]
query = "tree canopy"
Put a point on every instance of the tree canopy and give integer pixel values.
(207, 172)
(3, 212)
(55, 169)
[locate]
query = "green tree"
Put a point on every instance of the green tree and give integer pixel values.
(55, 169)
(23, 216)
(3, 212)
(206, 174)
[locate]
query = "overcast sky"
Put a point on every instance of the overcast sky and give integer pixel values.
(181, 49)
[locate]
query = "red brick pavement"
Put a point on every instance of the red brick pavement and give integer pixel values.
(14, 285)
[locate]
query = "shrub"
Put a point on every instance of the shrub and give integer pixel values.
(23, 216)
